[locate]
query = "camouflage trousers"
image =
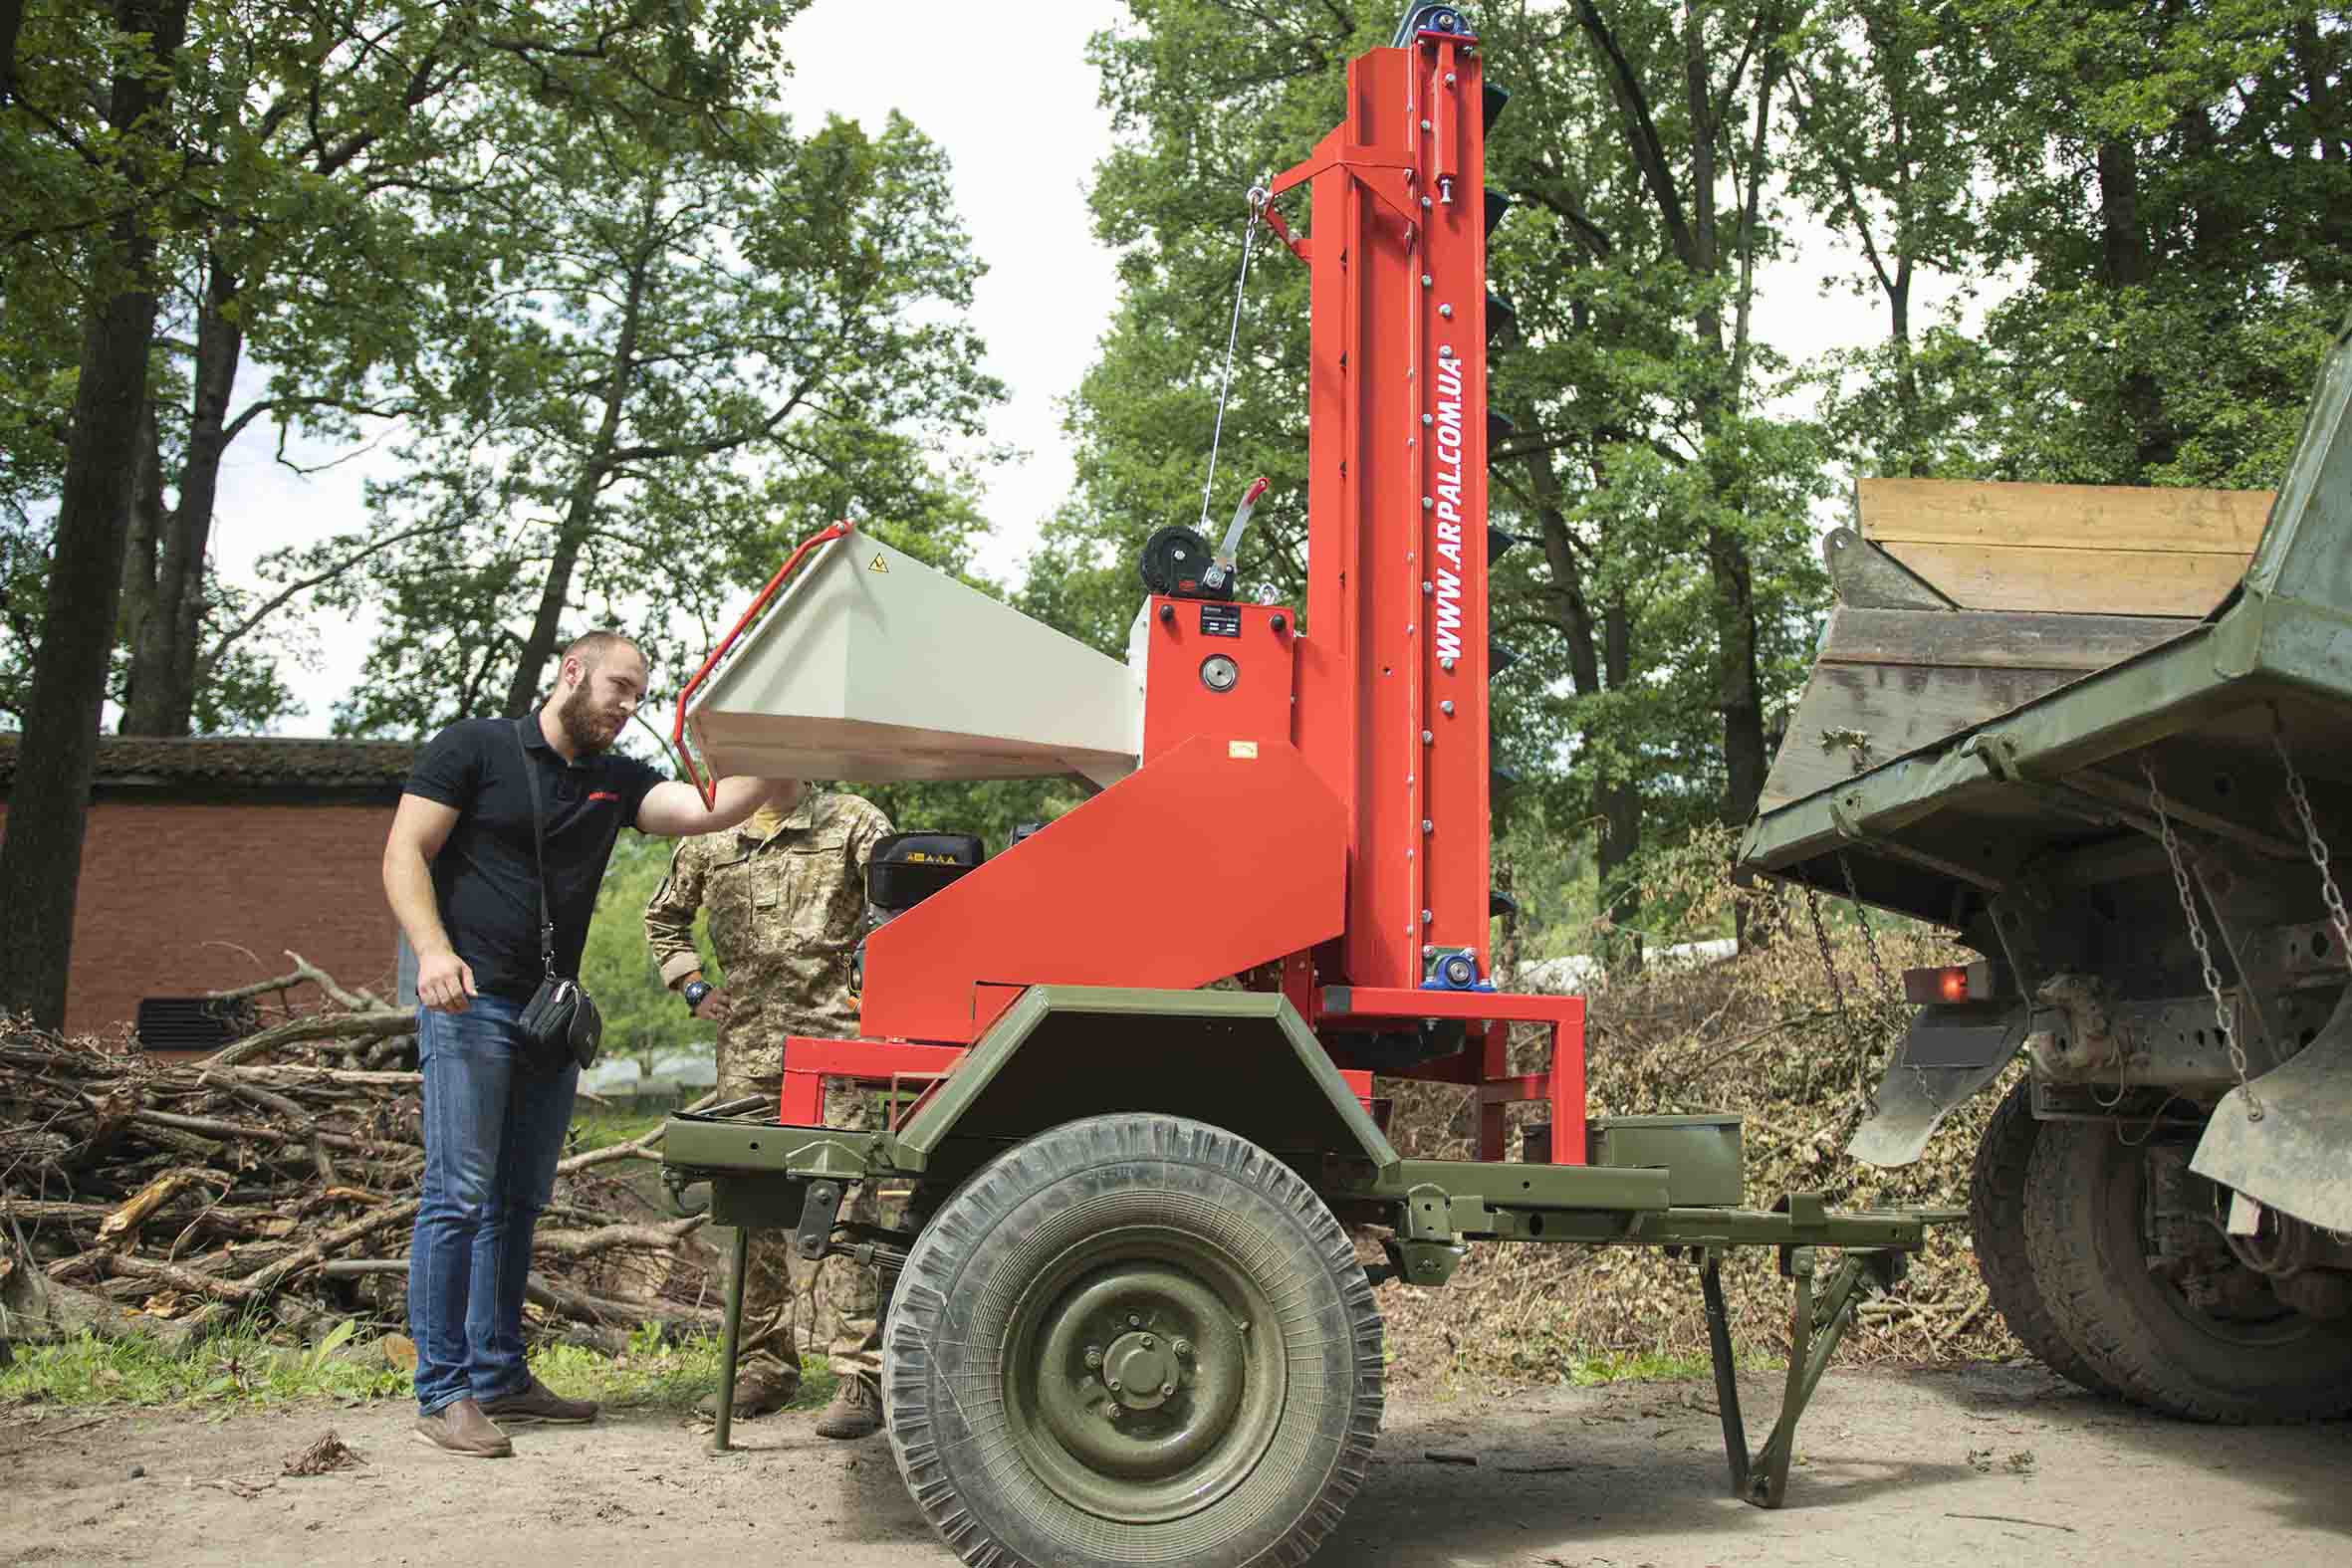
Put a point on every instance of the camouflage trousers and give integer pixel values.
(847, 1303)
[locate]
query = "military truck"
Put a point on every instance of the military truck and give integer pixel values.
(2105, 735)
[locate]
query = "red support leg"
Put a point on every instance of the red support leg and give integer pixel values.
(1567, 1092)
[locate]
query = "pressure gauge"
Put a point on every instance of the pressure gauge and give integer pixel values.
(1219, 672)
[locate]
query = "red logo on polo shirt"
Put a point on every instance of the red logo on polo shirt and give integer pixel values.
(601, 795)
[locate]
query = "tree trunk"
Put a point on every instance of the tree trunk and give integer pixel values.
(1738, 685)
(12, 23)
(581, 511)
(1909, 416)
(41, 855)
(1617, 802)
(2125, 264)
(165, 654)
(146, 526)
(1600, 657)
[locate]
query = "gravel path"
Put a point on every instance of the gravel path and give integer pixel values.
(1950, 1468)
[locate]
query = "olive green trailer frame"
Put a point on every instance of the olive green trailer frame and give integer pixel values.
(1043, 1062)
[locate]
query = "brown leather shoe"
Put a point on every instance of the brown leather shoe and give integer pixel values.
(462, 1429)
(758, 1392)
(536, 1402)
(857, 1409)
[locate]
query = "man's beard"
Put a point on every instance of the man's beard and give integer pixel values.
(583, 725)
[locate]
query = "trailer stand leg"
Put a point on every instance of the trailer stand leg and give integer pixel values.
(1812, 1339)
(731, 1337)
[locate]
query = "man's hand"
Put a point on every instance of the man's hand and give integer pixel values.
(716, 1006)
(444, 982)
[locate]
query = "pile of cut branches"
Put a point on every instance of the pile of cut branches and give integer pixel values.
(1790, 1037)
(275, 1179)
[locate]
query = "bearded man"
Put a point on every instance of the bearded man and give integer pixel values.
(462, 870)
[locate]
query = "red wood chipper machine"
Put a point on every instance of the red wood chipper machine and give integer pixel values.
(1130, 1323)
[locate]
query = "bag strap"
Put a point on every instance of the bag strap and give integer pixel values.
(547, 925)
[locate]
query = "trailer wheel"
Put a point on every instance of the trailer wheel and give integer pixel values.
(1996, 1222)
(2087, 1233)
(1137, 1339)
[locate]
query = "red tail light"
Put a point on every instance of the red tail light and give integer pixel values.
(1949, 982)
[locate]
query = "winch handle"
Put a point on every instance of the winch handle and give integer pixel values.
(709, 788)
(1221, 563)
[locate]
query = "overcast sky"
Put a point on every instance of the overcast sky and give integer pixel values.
(1011, 98)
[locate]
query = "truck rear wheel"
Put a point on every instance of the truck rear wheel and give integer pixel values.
(1997, 1220)
(2088, 1223)
(1137, 1339)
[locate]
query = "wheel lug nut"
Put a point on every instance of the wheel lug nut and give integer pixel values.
(1134, 1322)
(1093, 1358)
(1115, 1385)
(1184, 1347)
(1147, 1341)
(1167, 1389)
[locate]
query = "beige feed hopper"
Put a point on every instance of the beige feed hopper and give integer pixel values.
(872, 667)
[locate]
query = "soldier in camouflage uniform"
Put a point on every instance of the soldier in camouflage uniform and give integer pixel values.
(786, 893)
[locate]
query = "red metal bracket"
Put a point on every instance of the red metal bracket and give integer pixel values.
(1282, 231)
(808, 1062)
(1484, 1062)
(826, 536)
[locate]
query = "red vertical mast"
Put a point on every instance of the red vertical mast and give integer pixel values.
(1392, 681)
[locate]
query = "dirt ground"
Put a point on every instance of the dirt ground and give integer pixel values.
(1941, 1467)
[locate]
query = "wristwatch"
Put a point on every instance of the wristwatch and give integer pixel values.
(694, 991)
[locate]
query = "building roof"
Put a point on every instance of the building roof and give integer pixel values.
(256, 760)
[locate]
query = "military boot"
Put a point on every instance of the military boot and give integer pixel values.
(857, 1409)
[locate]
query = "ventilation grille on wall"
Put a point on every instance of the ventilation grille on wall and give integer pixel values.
(191, 1023)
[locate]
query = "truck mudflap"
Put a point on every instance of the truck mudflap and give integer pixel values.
(1946, 1056)
(2285, 1139)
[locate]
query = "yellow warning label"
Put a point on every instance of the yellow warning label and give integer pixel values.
(1245, 749)
(879, 564)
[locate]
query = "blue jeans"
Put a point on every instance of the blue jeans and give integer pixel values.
(494, 1128)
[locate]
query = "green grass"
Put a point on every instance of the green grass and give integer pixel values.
(1649, 1366)
(656, 1375)
(238, 1370)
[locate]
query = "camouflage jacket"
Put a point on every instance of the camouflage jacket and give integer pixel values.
(786, 912)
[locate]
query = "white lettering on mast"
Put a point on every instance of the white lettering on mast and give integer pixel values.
(1449, 507)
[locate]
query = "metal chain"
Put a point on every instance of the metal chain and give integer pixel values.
(2317, 845)
(2197, 940)
(1837, 993)
(1878, 967)
(1258, 198)
(1837, 999)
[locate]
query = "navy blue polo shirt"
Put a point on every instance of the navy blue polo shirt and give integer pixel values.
(486, 879)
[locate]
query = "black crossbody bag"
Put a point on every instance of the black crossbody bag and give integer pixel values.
(561, 1019)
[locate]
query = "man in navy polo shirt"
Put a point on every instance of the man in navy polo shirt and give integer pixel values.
(463, 878)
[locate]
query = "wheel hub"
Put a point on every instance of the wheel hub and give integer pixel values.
(1140, 1370)
(1147, 1392)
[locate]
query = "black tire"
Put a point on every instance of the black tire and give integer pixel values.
(2085, 1193)
(1996, 1222)
(1173, 1251)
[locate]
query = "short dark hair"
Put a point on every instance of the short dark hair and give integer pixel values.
(590, 648)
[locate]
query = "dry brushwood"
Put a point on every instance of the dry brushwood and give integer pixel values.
(1763, 1036)
(280, 1176)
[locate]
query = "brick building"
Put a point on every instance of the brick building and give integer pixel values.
(206, 859)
